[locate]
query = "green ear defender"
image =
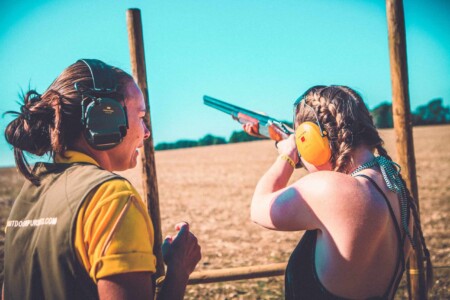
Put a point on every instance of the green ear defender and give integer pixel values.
(102, 114)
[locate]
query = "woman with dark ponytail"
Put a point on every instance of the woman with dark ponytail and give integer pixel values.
(77, 230)
(358, 214)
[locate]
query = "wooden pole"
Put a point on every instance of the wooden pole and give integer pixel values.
(403, 130)
(237, 273)
(150, 183)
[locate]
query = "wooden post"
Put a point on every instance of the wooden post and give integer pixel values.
(403, 130)
(150, 183)
(237, 273)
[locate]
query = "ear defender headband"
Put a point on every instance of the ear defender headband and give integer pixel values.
(103, 117)
(311, 140)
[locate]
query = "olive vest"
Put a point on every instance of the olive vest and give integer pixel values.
(40, 258)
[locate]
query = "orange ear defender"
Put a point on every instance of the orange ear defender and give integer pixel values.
(312, 143)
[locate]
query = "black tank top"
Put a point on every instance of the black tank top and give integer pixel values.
(301, 280)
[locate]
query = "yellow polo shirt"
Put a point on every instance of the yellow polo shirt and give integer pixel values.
(114, 233)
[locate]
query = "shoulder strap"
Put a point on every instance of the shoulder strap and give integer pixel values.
(401, 255)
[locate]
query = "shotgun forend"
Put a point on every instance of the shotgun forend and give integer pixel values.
(268, 126)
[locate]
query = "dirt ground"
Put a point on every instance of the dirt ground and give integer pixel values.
(211, 188)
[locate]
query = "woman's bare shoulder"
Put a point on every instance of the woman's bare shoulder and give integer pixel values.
(337, 196)
(328, 184)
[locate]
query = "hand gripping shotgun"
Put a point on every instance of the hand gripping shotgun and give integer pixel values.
(266, 126)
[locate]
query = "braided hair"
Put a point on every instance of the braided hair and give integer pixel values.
(416, 219)
(343, 114)
(51, 123)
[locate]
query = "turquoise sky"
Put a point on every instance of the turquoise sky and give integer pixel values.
(259, 54)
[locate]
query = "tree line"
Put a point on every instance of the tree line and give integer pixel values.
(433, 113)
(209, 139)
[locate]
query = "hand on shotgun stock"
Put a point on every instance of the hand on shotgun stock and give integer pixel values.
(273, 131)
(285, 143)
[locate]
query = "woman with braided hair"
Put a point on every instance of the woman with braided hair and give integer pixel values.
(354, 205)
(77, 230)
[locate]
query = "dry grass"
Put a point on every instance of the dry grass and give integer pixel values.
(211, 188)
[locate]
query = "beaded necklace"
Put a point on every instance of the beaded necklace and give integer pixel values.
(391, 175)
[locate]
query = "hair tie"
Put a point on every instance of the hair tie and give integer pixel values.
(25, 112)
(35, 98)
(30, 99)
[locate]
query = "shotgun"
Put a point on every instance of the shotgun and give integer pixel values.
(267, 126)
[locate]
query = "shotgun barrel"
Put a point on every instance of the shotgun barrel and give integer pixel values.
(243, 115)
(235, 110)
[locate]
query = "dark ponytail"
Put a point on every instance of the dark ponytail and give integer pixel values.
(29, 132)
